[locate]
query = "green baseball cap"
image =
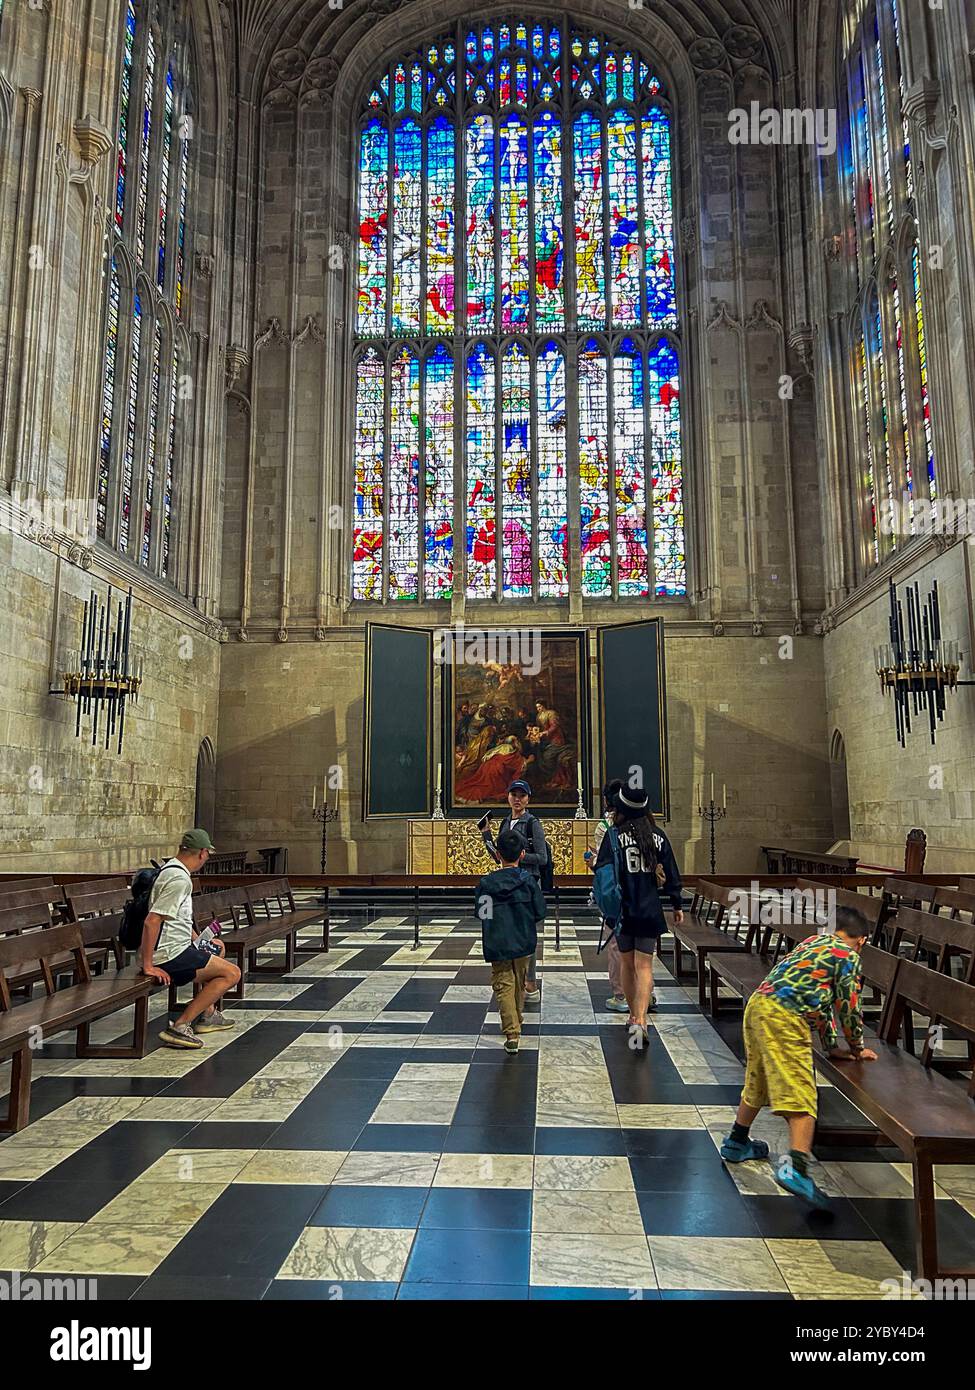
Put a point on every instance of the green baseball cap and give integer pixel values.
(196, 839)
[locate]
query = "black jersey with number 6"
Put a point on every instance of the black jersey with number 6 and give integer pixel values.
(642, 912)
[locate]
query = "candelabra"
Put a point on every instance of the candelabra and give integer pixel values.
(106, 674)
(917, 665)
(581, 812)
(325, 814)
(712, 814)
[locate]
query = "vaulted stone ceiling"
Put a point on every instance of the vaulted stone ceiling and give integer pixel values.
(274, 39)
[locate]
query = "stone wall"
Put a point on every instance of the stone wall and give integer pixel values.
(734, 706)
(64, 804)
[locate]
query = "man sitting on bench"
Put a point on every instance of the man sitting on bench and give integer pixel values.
(169, 933)
(800, 992)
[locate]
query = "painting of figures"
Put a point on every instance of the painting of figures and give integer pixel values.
(516, 720)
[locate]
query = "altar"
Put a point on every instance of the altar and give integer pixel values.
(454, 848)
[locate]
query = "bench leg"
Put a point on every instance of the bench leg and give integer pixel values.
(925, 1218)
(84, 1047)
(702, 980)
(18, 1103)
(715, 1001)
(236, 953)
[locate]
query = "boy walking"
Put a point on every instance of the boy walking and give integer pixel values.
(509, 903)
(820, 977)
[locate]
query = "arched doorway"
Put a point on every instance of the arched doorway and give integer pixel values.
(206, 787)
(839, 790)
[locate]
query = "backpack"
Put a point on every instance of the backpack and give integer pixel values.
(136, 910)
(546, 871)
(606, 887)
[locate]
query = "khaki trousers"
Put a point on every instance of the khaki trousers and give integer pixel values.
(508, 982)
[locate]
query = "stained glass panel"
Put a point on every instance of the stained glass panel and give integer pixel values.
(128, 453)
(590, 259)
(594, 470)
(154, 423)
(407, 219)
(440, 227)
(514, 223)
(624, 218)
(630, 470)
(481, 428)
(438, 511)
(108, 400)
(658, 213)
(480, 223)
(373, 224)
(549, 245)
(147, 105)
(404, 475)
(123, 120)
(370, 445)
(922, 352)
(516, 471)
(167, 151)
(666, 465)
(553, 501)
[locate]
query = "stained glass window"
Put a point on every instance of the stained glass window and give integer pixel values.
(514, 182)
(889, 376)
(146, 291)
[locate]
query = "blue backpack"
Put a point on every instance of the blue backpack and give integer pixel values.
(606, 888)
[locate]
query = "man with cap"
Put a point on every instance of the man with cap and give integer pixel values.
(523, 823)
(169, 935)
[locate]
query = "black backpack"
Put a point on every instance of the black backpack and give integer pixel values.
(546, 871)
(136, 910)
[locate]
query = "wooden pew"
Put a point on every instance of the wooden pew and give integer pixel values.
(42, 895)
(72, 1009)
(16, 885)
(96, 904)
(872, 908)
(901, 892)
(712, 925)
(955, 904)
(926, 1115)
(943, 938)
(97, 885)
(274, 898)
(744, 973)
(18, 921)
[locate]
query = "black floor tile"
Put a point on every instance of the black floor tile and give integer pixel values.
(10, 1189)
(247, 1233)
(46, 1200)
(216, 1288)
(453, 1293)
(669, 1175)
(468, 1257)
(472, 1208)
(892, 1219)
(716, 1213)
(559, 1140)
(403, 1138)
(326, 1290)
(541, 1293)
(678, 1144)
(121, 1154)
(240, 1061)
(457, 1018)
(484, 1137)
(348, 1205)
(789, 1218)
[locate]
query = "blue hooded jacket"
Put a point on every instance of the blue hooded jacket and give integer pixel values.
(509, 902)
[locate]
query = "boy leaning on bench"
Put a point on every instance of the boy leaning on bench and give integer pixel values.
(820, 978)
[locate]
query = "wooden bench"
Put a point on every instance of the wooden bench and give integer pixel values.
(230, 910)
(901, 892)
(74, 1008)
(38, 896)
(955, 904)
(712, 925)
(872, 908)
(274, 898)
(17, 921)
(96, 885)
(17, 885)
(96, 904)
(926, 1115)
(743, 974)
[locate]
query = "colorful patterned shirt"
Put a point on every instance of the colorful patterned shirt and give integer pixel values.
(820, 976)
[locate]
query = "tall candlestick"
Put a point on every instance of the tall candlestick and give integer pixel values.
(314, 796)
(724, 796)
(579, 774)
(439, 777)
(712, 786)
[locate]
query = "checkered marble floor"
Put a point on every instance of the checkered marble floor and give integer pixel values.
(362, 1134)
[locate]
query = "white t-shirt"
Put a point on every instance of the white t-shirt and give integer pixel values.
(172, 900)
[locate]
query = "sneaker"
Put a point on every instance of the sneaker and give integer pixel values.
(617, 1005)
(213, 1023)
(532, 994)
(180, 1035)
(734, 1151)
(799, 1184)
(511, 1046)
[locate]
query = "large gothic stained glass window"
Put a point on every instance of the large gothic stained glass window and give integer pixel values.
(891, 403)
(145, 355)
(516, 322)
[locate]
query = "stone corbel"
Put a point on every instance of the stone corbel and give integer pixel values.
(758, 629)
(235, 360)
(801, 342)
(832, 247)
(205, 264)
(94, 140)
(282, 634)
